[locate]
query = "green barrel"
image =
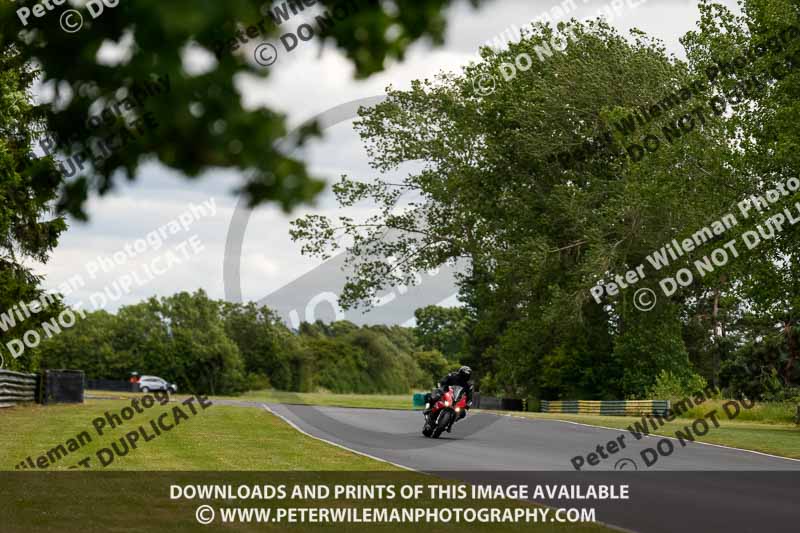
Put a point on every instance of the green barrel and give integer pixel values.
(419, 399)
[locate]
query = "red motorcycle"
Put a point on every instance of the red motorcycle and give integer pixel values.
(448, 406)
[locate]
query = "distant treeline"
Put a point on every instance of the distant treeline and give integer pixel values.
(220, 347)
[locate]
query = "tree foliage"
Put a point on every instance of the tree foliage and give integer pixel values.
(538, 234)
(203, 106)
(28, 191)
(443, 329)
(218, 347)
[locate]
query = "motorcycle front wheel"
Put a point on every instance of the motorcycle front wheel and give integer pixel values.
(443, 421)
(427, 429)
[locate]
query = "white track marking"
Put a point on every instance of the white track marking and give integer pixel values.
(659, 437)
(267, 408)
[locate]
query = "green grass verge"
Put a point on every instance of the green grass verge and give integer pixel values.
(219, 438)
(774, 438)
(246, 440)
(377, 401)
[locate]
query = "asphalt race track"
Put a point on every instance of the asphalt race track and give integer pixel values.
(697, 487)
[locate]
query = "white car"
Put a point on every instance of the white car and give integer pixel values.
(148, 383)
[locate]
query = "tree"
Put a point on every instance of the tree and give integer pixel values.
(203, 107)
(434, 366)
(267, 347)
(28, 191)
(202, 354)
(443, 329)
(764, 131)
(538, 234)
(90, 345)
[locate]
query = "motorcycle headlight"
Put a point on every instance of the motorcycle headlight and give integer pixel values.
(446, 403)
(427, 406)
(458, 409)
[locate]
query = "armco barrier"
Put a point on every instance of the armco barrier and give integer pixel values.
(16, 387)
(607, 407)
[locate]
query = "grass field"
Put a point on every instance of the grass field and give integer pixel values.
(219, 438)
(379, 401)
(376, 401)
(222, 445)
(775, 438)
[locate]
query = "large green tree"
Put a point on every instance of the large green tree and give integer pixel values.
(539, 234)
(28, 191)
(766, 281)
(443, 329)
(267, 346)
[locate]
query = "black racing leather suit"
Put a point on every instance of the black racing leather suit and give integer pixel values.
(453, 379)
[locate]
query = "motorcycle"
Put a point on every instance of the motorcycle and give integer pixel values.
(447, 408)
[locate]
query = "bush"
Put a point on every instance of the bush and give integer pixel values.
(434, 367)
(668, 386)
(753, 371)
(258, 382)
(777, 392)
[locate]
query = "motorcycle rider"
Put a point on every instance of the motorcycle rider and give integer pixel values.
(459, 378)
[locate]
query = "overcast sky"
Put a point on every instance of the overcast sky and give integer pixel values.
(303, 84)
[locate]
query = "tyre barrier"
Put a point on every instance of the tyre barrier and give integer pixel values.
(608, 407)
(17, 387)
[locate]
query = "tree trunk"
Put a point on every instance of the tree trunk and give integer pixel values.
(717, 333)
(791, 343)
